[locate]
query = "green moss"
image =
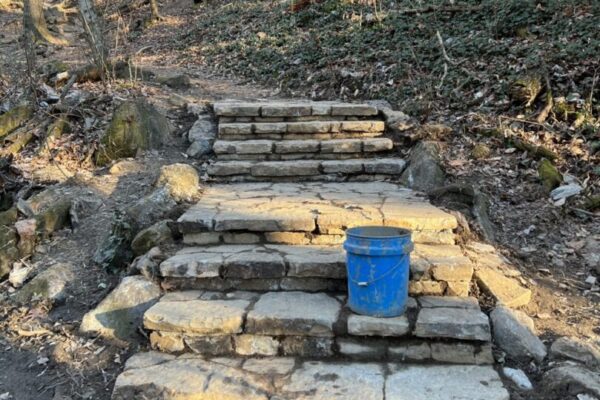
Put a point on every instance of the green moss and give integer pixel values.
(549, 175)
(8, 217)
(14, 118)
(8, 249)
(480, 151)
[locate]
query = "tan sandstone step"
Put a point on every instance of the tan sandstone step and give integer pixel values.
(436, 270)
(154, 375)
(449, 329)
(311, 213)
(299, 149)
(278, 109)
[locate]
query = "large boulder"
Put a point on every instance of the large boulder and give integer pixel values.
(120, 314)
(202, 135)
(50, 208)
(514, 333)
(573, 380)
(51, 284)
(157, 234)
(115, 251)
(181, 180)
(136, 125)
(424, 171)
(575, 349)
(151, 208)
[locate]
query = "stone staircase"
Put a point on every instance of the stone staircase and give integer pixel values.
(301, 141)
(257, 293)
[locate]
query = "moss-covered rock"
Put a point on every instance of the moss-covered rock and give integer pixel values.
(157, 234)
(549, 175)
(526, 89)
(136, 125)
(14, 118)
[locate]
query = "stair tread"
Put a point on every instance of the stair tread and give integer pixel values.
(328, 208)
(263, 147)
(286, 377)
(298, 313)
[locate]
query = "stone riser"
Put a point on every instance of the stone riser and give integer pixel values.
(301, 128)
(301, 136)
(364, 348)
(416, 288)
(309, 118)
(297, 156)
(309, 169)
(197, 235)
(333, 178)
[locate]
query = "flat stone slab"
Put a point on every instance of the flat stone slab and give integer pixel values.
(454, 323)
(449, 302)
(192, 377)
(505, 290)
(205, 317)
(331, 381)
(362, 325)
(445, 383)
(294, 313)
(329, 208)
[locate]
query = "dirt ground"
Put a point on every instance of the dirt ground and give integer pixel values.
(42, 354)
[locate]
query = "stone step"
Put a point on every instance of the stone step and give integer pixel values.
(156, 375)
(280, 130)
(438, 270)
(300, 170)
(317, 325)
(299, 149)
(282, 109)
(311, 213)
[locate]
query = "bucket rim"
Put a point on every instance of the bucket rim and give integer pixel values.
(385, 232)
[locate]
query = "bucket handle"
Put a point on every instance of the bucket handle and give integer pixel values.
(367, 283)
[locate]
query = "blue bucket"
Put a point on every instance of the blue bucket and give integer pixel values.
(378, 259)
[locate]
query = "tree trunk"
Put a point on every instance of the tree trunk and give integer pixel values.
(94, 34)
(33, 21)
(155, 14)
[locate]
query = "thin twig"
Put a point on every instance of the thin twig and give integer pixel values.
(441, 41)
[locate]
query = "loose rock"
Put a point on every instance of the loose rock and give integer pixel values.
(518, 377)
(181, 180)
(514, 333)
(155, 235)
(51, 284)
(120, 314)
(572, 379)
(577, 350)
(424, 171)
